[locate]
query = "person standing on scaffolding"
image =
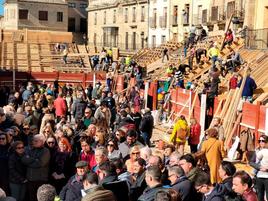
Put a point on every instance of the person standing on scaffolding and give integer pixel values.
(65, 54)
(165, 54)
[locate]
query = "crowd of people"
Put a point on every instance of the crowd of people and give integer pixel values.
(69, 143)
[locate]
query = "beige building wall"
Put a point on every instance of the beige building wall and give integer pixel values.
(114, 24)
(159, 21)
(261, 14)
(10, 16)
(182, 18)
(12, 21)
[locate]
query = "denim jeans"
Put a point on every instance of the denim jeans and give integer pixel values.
(18, 191)
(146, 137)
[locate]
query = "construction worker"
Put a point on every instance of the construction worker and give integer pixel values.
(110, 55)
(127, 60)
(214, 54)
(65, 54)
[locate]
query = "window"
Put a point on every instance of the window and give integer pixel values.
(164, 19)
(134, 41)
(71, 5)
(114, 17)
(153, 41)
(104, 17)
(185, 14)
(43, 15)
(134, 14)
(230, 8)
(126, 41)
(163, 39)
(199, 14)
(204, 16)
(95, 39)
(59, 16)
(175, 16)
(95, 18)
(142, 39)
(83, 5)
(71, 24)
(23, 14)
(142, 14)
(126, 15)
(214, 13)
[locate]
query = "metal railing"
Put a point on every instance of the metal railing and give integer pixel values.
(255, 39)
(153, 22)
(163, 21)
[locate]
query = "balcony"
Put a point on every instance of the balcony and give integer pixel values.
(152, 22)
(163, 22)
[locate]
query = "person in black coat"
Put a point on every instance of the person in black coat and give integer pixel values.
(226, 172)
(4, 152)
(153, 180)
(139, 184)
(107, 173)
(203, 185)
(72, 190)
(181, 183)
(146, 126)
(17, 172)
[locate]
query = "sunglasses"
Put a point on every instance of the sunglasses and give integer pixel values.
(51, 142)
(262, 141)
(135, 153)
(20, 148)
(2, 138)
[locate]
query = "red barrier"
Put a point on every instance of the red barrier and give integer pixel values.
(262, 116)
(48, 77)
(183, 102)
(120, 83)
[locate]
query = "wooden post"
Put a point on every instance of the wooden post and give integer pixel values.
(146, 93)
(203, 111)
(155, 95)
(229, 23)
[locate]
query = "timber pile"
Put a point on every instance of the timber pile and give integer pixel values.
(42, 57)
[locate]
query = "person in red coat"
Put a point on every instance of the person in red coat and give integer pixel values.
(60, 107)
(195, 130)
(87, 153)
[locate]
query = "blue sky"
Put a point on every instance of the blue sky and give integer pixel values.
(1, 7)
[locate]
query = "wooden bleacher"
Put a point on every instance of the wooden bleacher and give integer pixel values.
(34, 51)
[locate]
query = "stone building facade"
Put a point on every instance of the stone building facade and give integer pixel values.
(36, 14)
(159, 18)
(118, 23)
(77, 15)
